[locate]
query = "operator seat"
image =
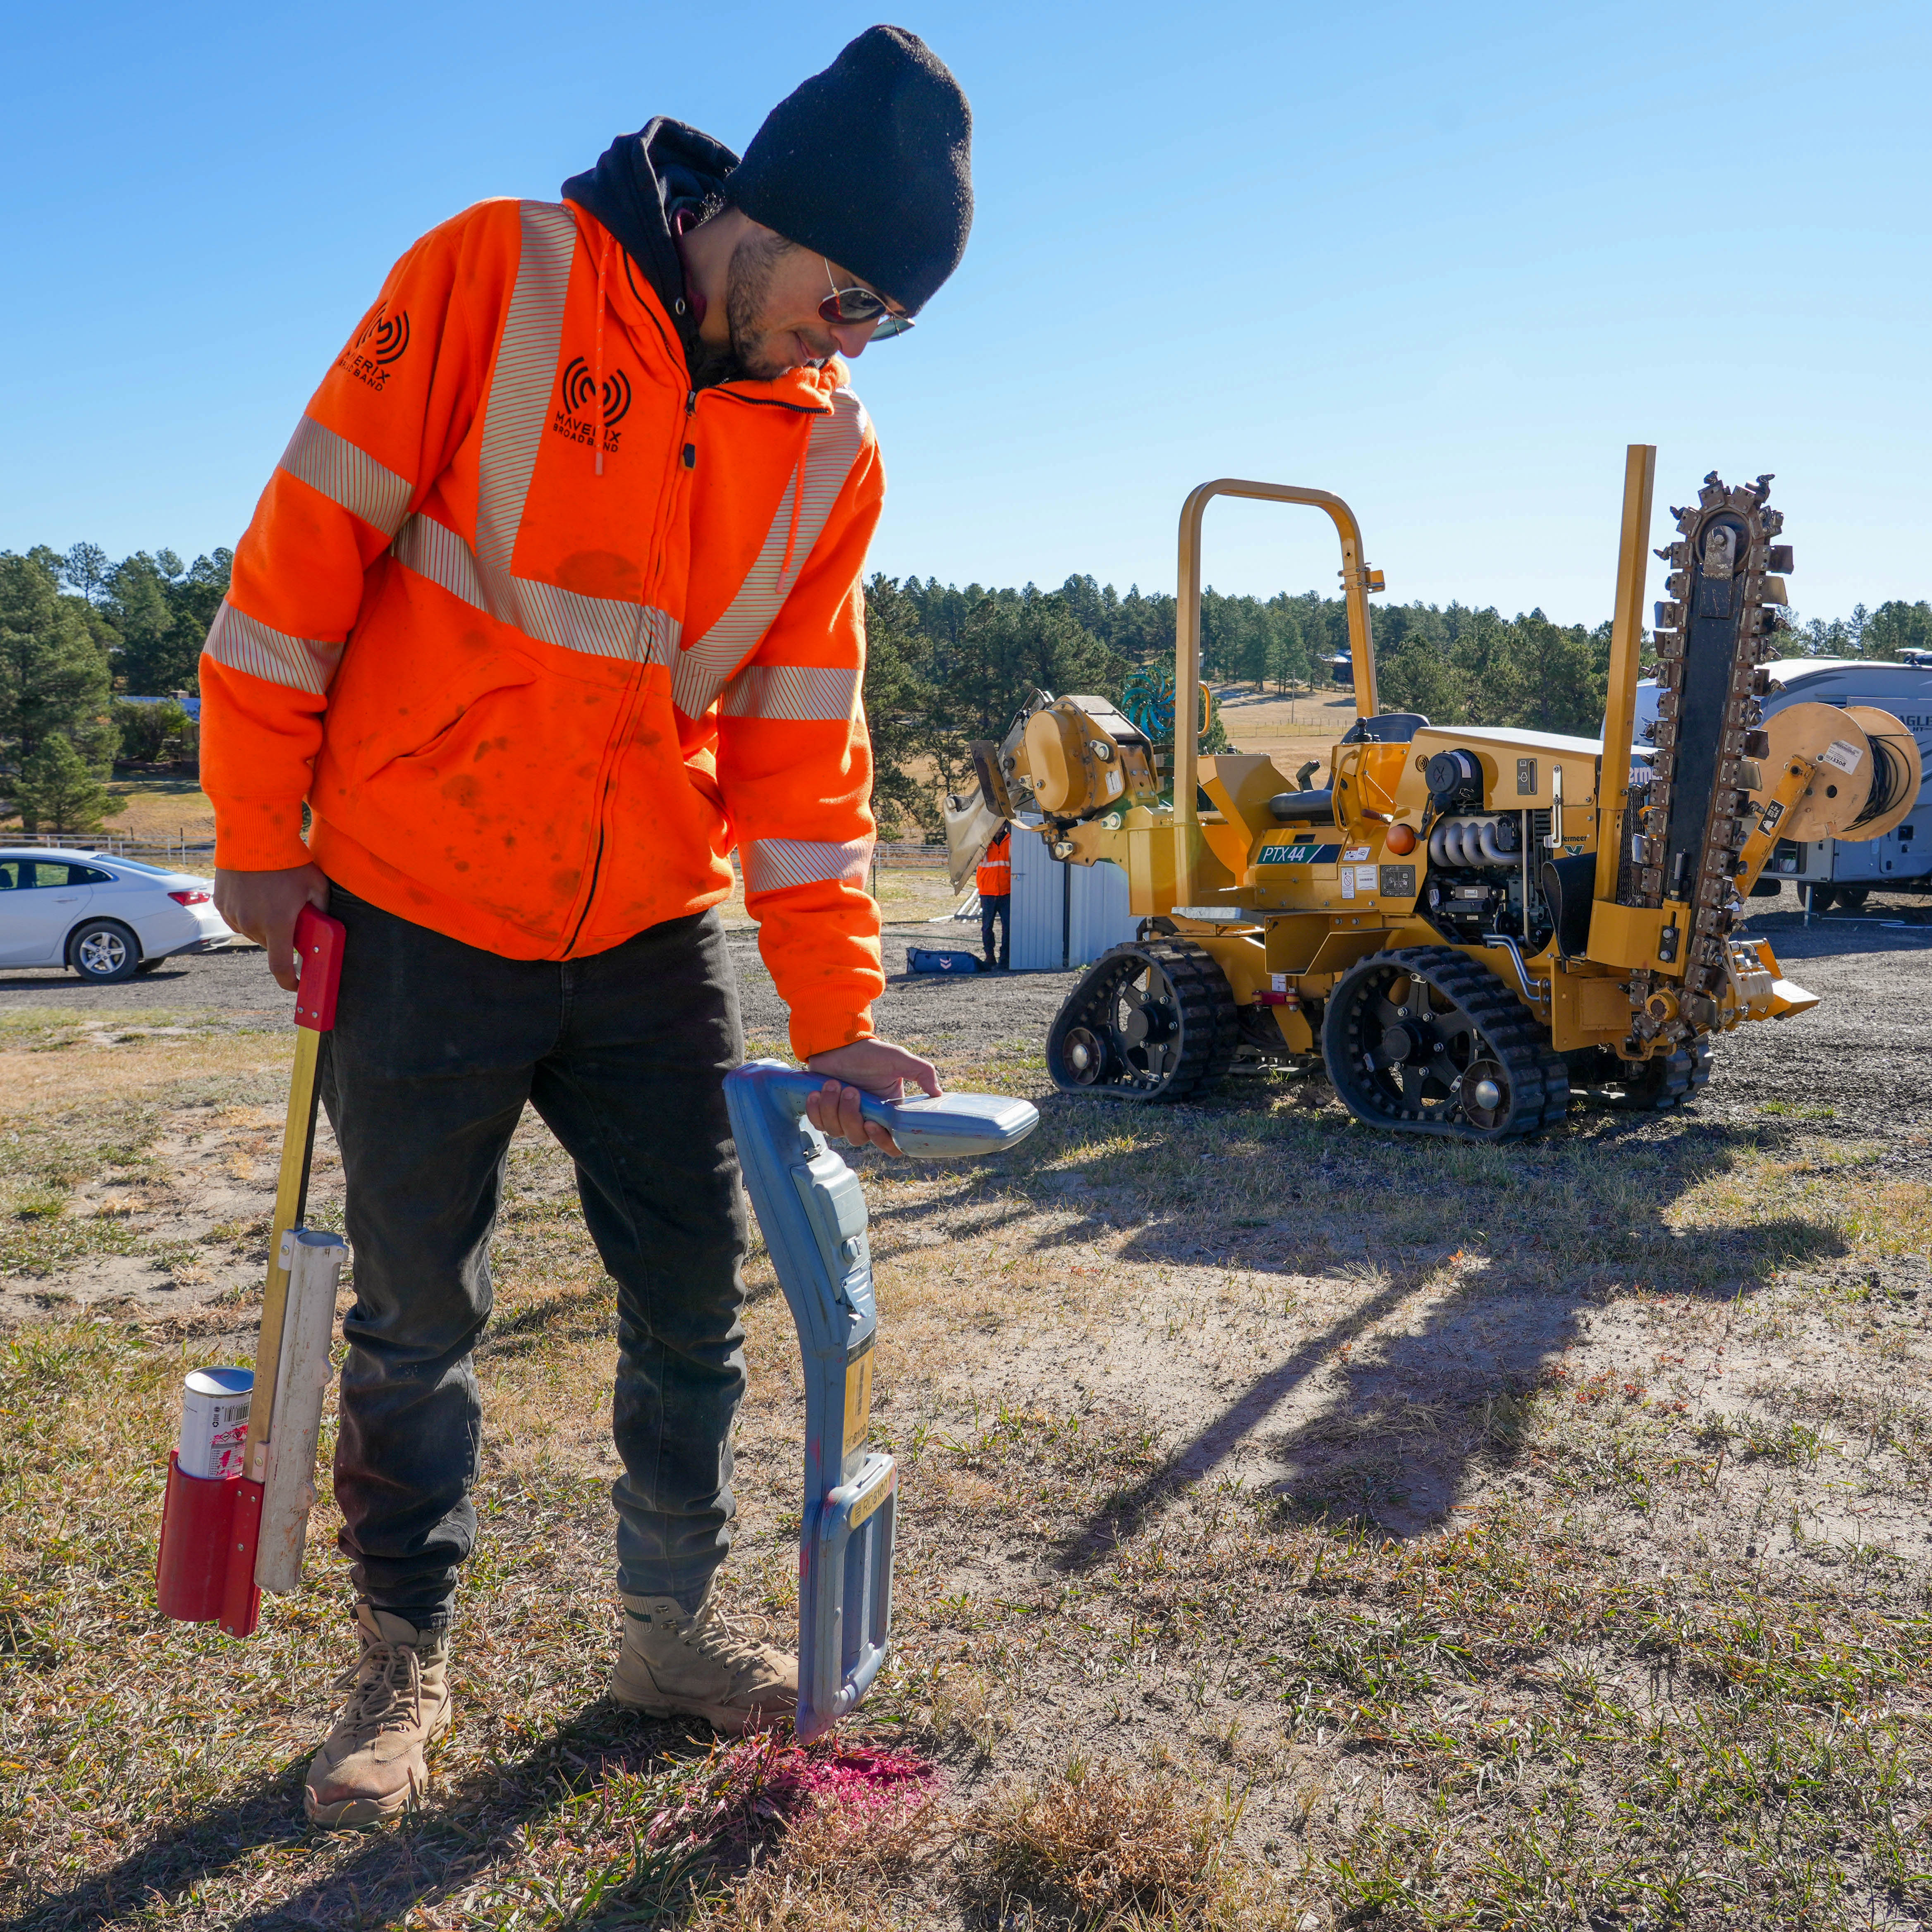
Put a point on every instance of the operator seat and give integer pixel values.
(1391, 727)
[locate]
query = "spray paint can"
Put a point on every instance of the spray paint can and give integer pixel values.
(214, 1421)
(204, 1479)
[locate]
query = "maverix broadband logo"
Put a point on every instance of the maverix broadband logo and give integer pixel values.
(380, 342)
(576, 418)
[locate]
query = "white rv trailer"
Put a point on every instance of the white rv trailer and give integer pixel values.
(1842, 874)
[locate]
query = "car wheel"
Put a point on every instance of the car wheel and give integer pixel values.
(104, 950)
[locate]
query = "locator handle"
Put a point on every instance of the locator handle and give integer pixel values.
(949, 1128)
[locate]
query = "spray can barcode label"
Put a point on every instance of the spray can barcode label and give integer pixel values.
(214, 1421)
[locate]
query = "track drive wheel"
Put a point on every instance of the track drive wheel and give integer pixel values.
(1425, 1041)
(1152, 1021)
(1652, 1087)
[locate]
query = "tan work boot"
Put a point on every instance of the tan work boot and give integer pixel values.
(701, 1664)
(371, 1764)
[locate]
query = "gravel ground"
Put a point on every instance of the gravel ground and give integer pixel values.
(1865, 1050)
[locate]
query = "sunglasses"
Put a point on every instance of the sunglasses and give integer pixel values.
(857, 304)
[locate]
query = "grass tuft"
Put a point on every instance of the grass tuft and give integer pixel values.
(1088, 1847)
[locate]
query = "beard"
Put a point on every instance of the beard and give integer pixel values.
(754, 348)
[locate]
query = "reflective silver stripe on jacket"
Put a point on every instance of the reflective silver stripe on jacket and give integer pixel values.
(434, 550)
(243, 643)
(800, 693)
(773, 864)
(520, 388)
(347, 475)
(837, 438)
(513, 427)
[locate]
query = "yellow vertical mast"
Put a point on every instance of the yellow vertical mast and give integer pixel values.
(1626, 651)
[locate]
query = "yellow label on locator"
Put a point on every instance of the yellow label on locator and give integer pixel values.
(858, 1398)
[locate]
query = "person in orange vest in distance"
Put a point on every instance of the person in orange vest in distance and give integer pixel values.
(556, 596)
(995, 881)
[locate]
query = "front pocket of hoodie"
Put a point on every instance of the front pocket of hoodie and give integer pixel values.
(500, 804)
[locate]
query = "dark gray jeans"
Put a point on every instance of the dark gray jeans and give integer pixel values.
(436, 1047)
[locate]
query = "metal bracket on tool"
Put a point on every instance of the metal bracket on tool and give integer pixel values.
(812, 1210)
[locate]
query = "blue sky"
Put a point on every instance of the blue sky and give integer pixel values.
(1445, 260)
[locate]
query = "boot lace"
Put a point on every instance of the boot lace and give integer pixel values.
(740, 1641)
(385, 1685)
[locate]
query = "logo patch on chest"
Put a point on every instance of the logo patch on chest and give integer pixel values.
(576, 418)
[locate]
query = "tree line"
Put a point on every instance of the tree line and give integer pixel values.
(946, 666)
(81, 633)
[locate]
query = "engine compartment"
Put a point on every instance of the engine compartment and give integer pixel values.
(1477, 880)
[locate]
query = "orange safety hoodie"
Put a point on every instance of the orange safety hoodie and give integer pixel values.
(995, 875)
(540, 633)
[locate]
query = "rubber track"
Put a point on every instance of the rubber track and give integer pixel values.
(1538, 1076)
(1210, 1029)
(1685, 1073)
(1681, 1077)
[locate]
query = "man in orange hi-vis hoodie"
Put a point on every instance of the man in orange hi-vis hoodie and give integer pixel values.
(553, 601)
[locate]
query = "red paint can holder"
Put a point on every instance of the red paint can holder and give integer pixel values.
(205, 1569)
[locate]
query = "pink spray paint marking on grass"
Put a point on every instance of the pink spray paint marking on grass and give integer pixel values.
(857, 1775)
(754, 1782)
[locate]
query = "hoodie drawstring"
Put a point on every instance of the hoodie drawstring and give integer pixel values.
(597, 351)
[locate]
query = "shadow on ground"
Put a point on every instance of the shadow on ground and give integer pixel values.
(467, 1828)
(1496, 1251)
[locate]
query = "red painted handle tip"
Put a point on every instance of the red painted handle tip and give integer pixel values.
(319, 952)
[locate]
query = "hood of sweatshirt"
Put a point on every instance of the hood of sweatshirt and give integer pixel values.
(641, 183)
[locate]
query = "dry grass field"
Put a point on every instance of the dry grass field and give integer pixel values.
(1301, 1528)
(161, 809)
(1290, 730)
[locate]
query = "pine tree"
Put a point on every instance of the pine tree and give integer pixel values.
(53, 671)
(157, 652)
(56, 790)
(899, 704)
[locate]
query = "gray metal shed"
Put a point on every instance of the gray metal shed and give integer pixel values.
(1064, 915)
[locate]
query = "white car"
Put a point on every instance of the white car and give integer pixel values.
(106, 918)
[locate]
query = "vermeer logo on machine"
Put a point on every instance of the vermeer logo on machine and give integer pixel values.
(577, 420)
(1297, 855)
(380, 342)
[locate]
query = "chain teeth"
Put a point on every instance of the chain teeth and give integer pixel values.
(1710, 898)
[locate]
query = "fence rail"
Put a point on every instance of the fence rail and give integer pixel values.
(118, 845)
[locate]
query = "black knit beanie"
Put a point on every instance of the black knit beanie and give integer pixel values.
(869, 163)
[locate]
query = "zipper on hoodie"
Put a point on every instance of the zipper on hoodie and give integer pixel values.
(596, 868)
(688, 461)
(685, 432)
(684, 438)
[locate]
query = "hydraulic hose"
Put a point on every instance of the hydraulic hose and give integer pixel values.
(1889, 780)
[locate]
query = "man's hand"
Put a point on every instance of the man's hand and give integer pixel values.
(264, 906)
(874, 1066)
